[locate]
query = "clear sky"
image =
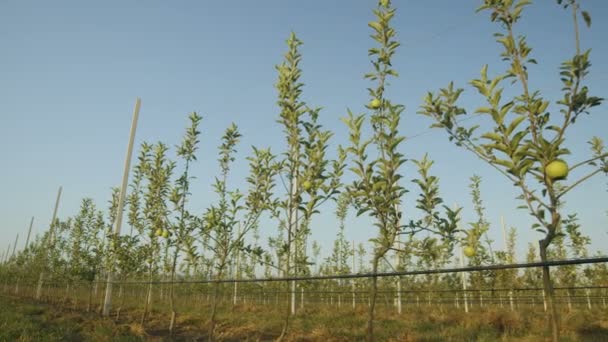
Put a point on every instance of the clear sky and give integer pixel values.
(70, 72)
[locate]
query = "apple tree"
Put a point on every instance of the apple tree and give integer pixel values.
(308, 177)
(526, 142)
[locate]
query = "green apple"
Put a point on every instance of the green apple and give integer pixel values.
(166, 234)
(375, 103)
(556, 170)
(158, 232)
(306, 185)
(469, 251)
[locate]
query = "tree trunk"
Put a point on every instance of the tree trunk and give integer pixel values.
(373, 294)
(90, 297)
(148, 298)
(292, 229)
(354, 297)
(171, 291)
(101, 299)
(399, 295)
(216, 288)
(548, 288)
(287, 314)
(67, 293)
(234, 295)
(17, 286)
(121, 298)
(75, 303)
(39, 288)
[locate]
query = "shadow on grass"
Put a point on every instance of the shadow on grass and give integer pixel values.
(594, 332)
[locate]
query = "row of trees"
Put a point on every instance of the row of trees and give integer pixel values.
(80, 260)
(524, 142)
(80, 242)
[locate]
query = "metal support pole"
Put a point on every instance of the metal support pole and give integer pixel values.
(107, 305)
(49, 243)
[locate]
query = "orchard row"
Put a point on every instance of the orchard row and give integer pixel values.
(525, 143)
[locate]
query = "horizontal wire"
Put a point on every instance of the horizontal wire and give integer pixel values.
(383, 274)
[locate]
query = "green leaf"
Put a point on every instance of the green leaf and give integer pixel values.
(504, 163)
(376, 26)
(517, 139)
(499, 146)
(492, 136)
(484, 110)
(587, 18)
(484, 72)
(513, 125)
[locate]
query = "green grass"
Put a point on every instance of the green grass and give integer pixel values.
(21, 320)
(25, 320)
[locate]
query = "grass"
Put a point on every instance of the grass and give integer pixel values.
(24, 320)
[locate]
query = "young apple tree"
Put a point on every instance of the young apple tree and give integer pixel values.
(441, 228)
(227, 222)
(183, 226)
(304, 171)
(376, 189)
(526, 142)
(482, 249)
(158, 170)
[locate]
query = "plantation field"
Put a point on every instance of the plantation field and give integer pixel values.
(26, 320)
(328, 226)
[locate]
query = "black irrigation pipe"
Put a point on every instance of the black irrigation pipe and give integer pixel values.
(385, 274)
(313, 291)
(393, 274)
(405, 292)
(362, 292)
(450, 290)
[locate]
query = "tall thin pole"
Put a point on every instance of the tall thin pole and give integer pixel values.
(464, 274)
(464, 282)
(293, 226)
(50, 243)
(509, 259)
(352, 280)
(29, 232)
(398, 265)
(5, 256)
(15, 246)
(236, 271)
(27, 241)
(107, 305)
(504, 232)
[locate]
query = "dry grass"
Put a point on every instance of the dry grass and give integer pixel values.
(247, 322)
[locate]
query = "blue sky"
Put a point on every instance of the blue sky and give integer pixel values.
(71, 70)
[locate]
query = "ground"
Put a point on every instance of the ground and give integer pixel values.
(26, 320)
